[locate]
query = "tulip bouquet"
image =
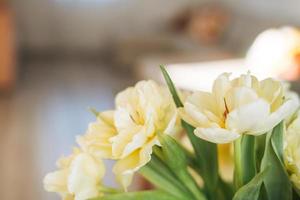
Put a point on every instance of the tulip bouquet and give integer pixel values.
(257, 120)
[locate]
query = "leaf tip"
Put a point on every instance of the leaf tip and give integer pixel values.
(93, 111)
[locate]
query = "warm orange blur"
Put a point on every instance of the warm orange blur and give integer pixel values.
(7, 49)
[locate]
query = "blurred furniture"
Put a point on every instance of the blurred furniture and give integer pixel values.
(189, 70)
(206, 23)
(7, 50)
(199, 75)
(129, 50)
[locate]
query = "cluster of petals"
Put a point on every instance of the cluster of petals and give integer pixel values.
(78, 177)
(292, 150)
(128, 133)
(240, 106)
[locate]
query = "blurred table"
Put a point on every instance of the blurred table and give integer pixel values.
(194, 70)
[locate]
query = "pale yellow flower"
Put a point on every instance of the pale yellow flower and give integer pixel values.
(78, 177)
(276, 52)
(141, 112)
(292, 150)
(128, 133)
(226, 161)
(97, 139)
(235, 107)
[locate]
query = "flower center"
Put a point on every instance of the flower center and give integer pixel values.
(226, 109)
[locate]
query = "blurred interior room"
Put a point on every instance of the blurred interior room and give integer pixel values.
(60, 57)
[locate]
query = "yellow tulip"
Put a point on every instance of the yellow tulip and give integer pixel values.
(292, 150)
(97, 139)
(78, 178)
(128, 133)
(141, 112)
(240, 106)
(226, 162)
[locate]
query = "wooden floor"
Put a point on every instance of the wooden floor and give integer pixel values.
(39, 121)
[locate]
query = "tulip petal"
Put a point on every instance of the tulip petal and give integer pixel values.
(146, 151)
(270, 90)
(221, 85)
(249, 117)
(216, 135)
(123, 119)
(239, 96)
(138, 140)
(85, 175)
(195, 116)
(150, 121)
(127, 98)
(246, 80)
(126, 130)
(172, 125)
(203, 100)
(186, 117)
(56, 181)
(107, 117)
(206, 103)
(285, 110)
(95, 144)
(149, 93)
(97, 138)
(125, 168)
(120, 141)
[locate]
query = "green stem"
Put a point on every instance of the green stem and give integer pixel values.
(237, 164)
(260, 144)
(245, 160)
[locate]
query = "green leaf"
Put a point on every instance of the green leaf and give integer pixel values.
(173, 153)
(163, 178)
(94, 111)
(277, 140)
(143, 195)
(245, 160)
(296, 194)
(206, 152)
(276, 181)
(176, 159)
(206, 158)
(225, 190)
(263, 193)
(171, 87)
(157, 151)
(158, 165)
(109, 190)
(251, 191)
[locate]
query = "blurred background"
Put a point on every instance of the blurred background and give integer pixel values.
(59, 57)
